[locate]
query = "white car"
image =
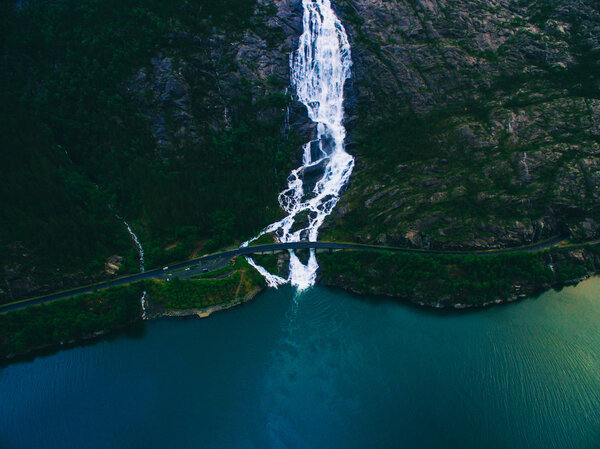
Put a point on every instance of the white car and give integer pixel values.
(165, 268)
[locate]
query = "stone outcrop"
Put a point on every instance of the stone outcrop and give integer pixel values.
(184, 94)
(491, 115)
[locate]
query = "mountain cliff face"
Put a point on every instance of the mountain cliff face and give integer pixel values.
(474, 124)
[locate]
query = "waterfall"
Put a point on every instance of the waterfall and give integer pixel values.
(144, 305)
(551, 264)
(140, 250)
(286, 120)
(319, 69)
(137, 243)
(271, 279)
(526, 176)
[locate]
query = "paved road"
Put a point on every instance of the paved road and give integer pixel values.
(216, 260)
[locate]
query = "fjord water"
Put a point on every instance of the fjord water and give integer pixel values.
(324, 369)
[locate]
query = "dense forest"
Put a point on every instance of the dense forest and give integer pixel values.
(86, 316)
(69, 320)
(448, 280)
(78, 147)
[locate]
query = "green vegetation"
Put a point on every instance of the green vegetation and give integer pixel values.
(503, 145)
(268, 261)
(69, 320)
(264, 239)
(189, 294)
(445, 279)
(216, 273)
(86, 316)
(69, 123)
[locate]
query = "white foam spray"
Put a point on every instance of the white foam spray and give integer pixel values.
(319, 69)
(138, 245)
(144, 305)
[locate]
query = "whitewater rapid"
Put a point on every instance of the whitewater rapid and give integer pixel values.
(140, 250)
(319, 68)
(136, 242)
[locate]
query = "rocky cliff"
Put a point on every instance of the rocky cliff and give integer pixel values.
(475, 124)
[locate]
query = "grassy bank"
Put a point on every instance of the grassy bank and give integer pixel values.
(69, 320)
(73, 320)
(449, 280)
(202, 293)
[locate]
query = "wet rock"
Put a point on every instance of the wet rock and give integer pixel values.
(310, 175)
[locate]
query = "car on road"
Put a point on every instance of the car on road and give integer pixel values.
(165, 268)
(205, 270)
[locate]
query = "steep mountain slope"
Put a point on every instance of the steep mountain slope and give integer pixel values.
(172, 115)
(475, 124)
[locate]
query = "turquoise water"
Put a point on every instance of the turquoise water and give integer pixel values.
(324, 370)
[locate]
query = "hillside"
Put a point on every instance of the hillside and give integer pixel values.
(473, 124)
(170, 116)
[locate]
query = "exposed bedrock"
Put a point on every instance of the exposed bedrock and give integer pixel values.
(474, 124)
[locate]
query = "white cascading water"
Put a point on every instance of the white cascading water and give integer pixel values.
(140, 250)
(137, 243)
(319, 69)
(144, 305)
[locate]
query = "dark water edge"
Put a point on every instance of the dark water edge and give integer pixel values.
(135, 329)
(324, 369)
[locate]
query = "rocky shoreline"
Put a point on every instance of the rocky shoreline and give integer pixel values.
(447, 290)
(205, 312)
(417, 299)
(154, 313)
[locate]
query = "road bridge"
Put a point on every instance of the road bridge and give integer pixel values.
(272, 248)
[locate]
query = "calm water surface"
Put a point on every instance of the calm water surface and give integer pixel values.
(324, 370)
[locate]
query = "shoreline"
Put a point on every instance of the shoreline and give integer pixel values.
(205, 312)
(415, 299)
(52, 348)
